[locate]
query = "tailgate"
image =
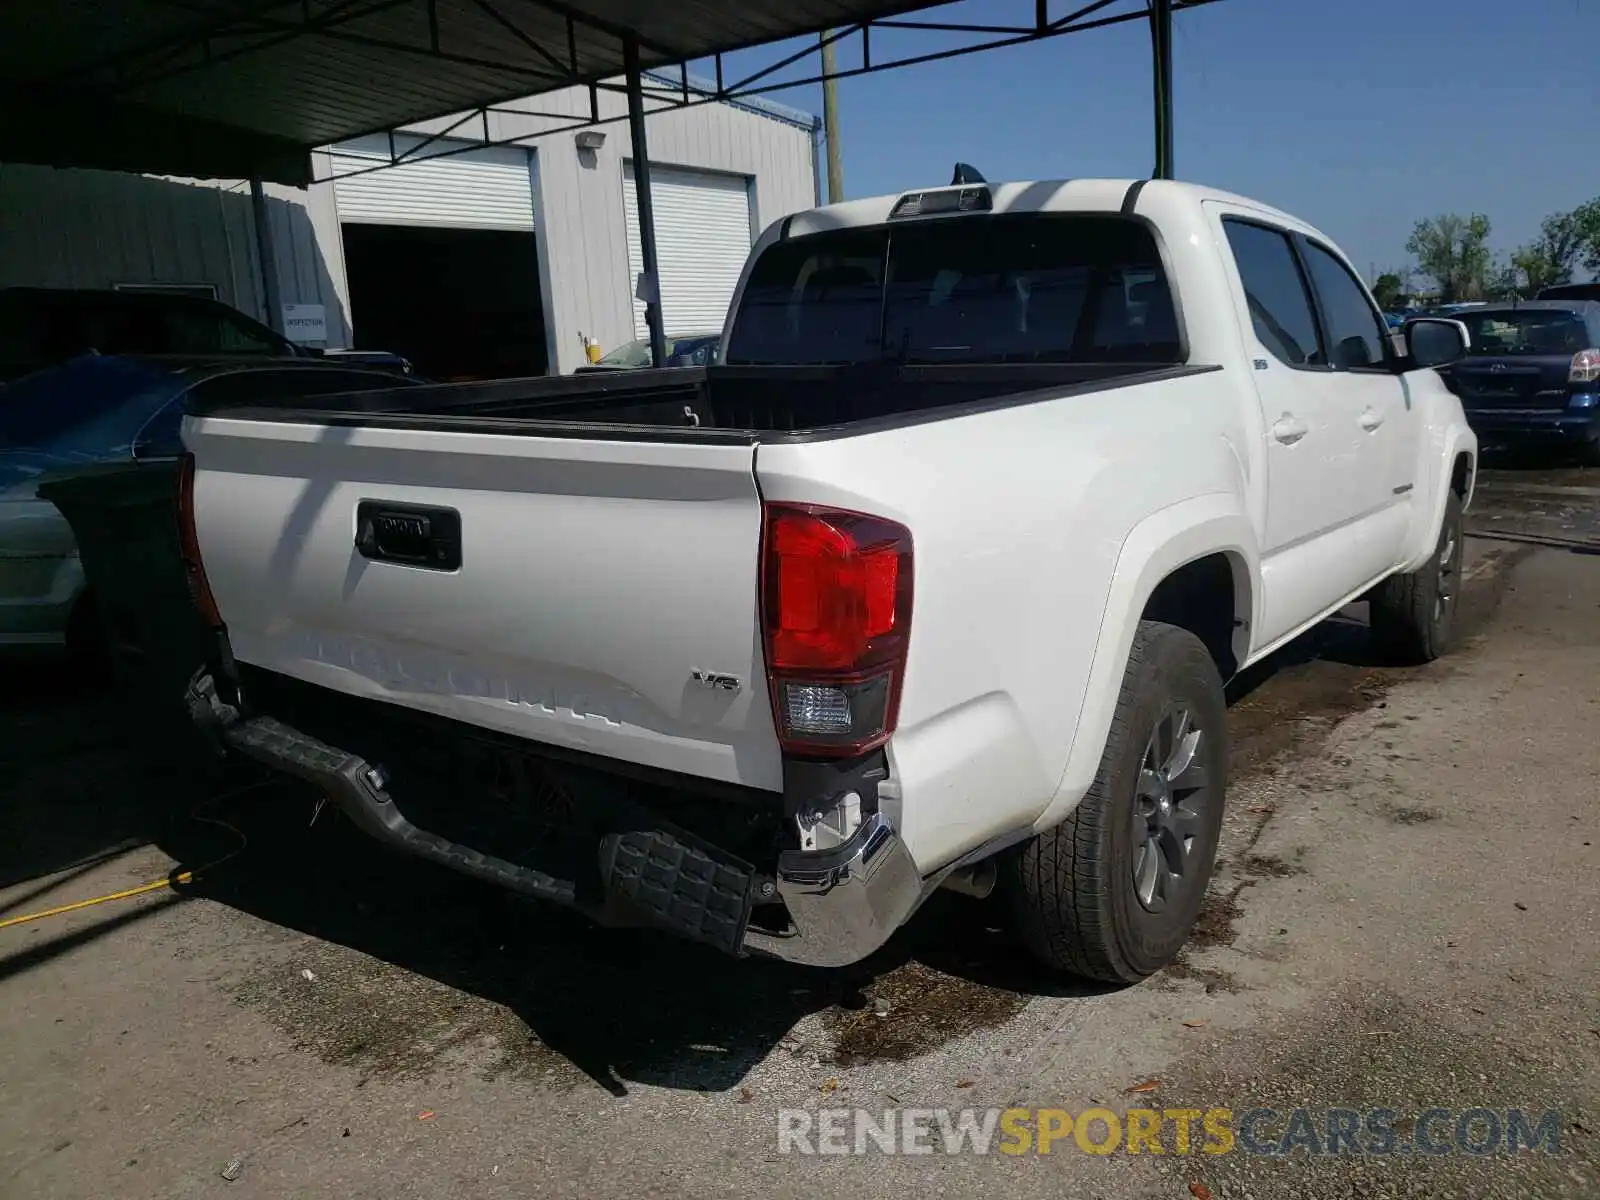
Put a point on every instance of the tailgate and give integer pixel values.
(596, 579)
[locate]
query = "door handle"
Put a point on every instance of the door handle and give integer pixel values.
(1289, 429)
(1370, 419)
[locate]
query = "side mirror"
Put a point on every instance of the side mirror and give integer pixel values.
(1436, 341)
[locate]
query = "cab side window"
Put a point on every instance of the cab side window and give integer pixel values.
(1355, 331)
(1276, 292)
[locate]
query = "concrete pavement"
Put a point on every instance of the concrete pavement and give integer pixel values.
(1406, 917)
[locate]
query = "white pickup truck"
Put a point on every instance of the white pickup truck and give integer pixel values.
(934, 581)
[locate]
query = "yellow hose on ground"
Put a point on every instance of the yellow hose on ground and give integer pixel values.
(154, 885)
(170, 880)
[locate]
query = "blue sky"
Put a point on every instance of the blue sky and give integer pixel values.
(1359, 116)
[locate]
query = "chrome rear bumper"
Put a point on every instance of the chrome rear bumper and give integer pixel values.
(844, 902)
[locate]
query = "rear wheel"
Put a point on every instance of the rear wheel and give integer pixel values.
(1112, 892)
(1589, 454)
(1413, 615)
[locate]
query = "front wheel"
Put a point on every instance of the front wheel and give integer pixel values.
(1112, 892)
(1413, 615)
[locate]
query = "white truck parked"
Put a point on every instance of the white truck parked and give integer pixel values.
(934, 581)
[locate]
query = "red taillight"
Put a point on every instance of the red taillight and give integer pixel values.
(836, 611)
(189, 543)
(1585, 367)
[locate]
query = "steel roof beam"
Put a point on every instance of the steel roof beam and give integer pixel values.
(341, 14)
(621, 32)
(188, 39)
(567, 71)
(667, 98)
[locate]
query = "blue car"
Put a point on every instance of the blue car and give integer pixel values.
(1532, 376)
(106, 408)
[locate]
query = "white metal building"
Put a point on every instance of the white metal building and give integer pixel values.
(508, 256)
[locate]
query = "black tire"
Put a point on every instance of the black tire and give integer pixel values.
(1414, 615)
(1589, 454)
(1073, 888)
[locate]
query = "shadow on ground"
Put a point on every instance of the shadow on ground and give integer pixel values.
(450, 973)
(73, 792)
(621, 1006)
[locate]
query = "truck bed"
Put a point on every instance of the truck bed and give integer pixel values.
(724, 403)
(566, 560)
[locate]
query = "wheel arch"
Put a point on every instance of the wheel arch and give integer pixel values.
(1464, 476)
(1453, 467)
(1179, 551)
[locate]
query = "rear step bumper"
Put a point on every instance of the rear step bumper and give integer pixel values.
(843, 903)
(357, 787)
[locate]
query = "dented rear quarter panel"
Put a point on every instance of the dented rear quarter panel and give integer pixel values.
(1025, 594)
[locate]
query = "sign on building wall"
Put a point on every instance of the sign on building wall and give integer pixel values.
(305, 323)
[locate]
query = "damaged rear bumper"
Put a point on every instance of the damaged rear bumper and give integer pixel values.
(844, 902)
(834, 906)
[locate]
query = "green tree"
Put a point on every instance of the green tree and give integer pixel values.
(1388, 290)
(1586, 221)
(1504, 281)
(1453, 251)
(1551, 258)
(1532, 268)
(1565, 240)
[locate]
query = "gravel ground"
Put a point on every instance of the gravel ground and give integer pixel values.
(1405, 918)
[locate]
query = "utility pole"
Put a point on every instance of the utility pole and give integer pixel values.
(830, 120)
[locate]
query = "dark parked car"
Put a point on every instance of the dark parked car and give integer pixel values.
(1532, 376)
(108, 408)
(1571, 291)
(41, 327)
(683, 350)
(1451, 310)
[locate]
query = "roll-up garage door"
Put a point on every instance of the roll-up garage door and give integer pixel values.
(702, 239)
(477, 189)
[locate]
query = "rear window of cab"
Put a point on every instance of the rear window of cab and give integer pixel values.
(1006, 288)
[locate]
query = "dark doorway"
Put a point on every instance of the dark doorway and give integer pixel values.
(459, 303)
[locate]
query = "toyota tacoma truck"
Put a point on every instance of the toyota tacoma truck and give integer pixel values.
(933, 581)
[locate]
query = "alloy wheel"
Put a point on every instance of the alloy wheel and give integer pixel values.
(1169, 803)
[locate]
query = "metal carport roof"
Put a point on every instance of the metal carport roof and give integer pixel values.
(241, 88)
(245, 87)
